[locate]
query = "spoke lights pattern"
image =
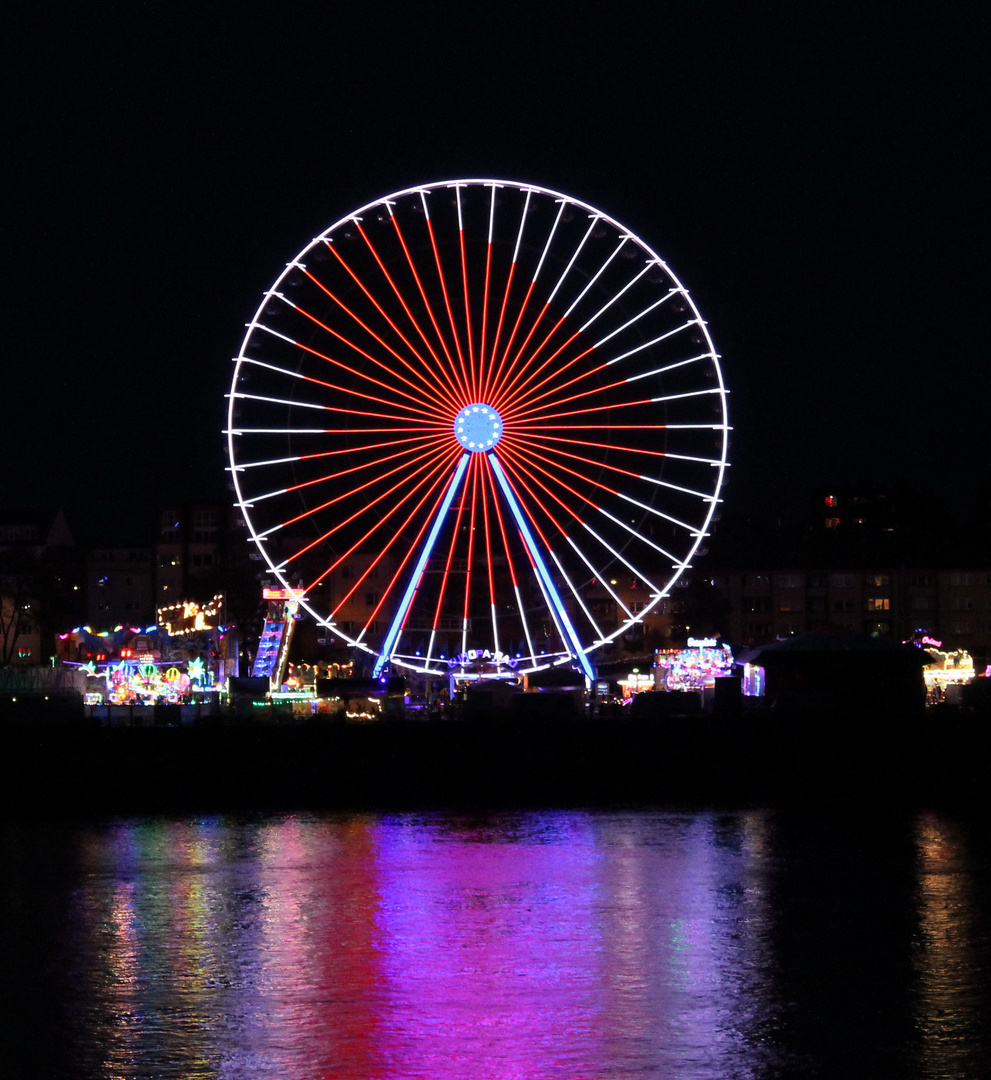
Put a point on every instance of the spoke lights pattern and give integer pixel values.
(462, 412)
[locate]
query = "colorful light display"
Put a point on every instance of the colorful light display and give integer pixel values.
(189, 617)
(490, 395)
(135, 666)
(694, 668)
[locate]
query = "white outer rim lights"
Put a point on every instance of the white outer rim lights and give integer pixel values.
(246, 471)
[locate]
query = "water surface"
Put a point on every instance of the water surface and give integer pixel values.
(560, 944)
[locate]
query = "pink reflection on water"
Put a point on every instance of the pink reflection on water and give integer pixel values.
(318, 981)
(513, 947)
(489, 949)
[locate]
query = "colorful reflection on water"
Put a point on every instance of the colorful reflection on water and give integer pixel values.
(562, 944)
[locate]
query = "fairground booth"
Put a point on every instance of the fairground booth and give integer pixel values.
(186, 656)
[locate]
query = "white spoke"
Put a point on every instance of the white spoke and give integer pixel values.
(578, 250)
(637, 318)
(354, 465)
(616, 555)
(629, 285)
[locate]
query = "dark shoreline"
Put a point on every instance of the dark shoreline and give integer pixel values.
(488, 763)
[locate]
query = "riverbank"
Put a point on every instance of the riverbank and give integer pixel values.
(490, 763)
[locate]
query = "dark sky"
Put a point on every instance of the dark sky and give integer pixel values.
(813, 172)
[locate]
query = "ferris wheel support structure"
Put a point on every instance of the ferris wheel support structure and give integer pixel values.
(478, 417)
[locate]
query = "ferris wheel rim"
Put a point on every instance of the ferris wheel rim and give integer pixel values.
(720, 463)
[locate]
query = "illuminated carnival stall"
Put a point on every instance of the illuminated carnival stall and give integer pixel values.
(695, 667)
(185, 656)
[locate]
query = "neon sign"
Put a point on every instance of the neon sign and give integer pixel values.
(282, 594)
(190, 617)
(499, 659)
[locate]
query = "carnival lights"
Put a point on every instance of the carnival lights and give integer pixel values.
(190, 617)
(695, 667)
(493, 399)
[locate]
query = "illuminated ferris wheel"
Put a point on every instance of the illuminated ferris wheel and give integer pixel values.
(466, 417)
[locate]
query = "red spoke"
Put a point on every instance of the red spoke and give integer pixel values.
(361, 468)
(591, 409)
(513, 332)
(559, 370)
(433, 318)
(464, 279)
(521, 414)
(488, 554)
(471, 532)
(346, 495)
(357, 372)
(397, 533)
(492, 372)
(411, 550)
(512, 458)
(485, 298)
(529, 453)
(438, 468)
(576, 457)
(447, 565)
(447, 303)
(508, 378)
(399, 296)
(419, 372)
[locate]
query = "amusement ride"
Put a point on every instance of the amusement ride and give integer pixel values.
(480, 408)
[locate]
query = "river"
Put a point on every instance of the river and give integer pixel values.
(581, 945)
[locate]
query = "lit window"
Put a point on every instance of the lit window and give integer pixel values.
(878, 603)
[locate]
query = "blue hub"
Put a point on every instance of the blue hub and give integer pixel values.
(478, 427)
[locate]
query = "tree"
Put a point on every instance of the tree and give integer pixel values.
(16, 577)
(38, 588)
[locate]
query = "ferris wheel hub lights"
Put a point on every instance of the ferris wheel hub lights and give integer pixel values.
(478, 427)
(518, 303)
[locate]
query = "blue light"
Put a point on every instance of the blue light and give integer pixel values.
(538, 562)
(414, 581)
(478, 427)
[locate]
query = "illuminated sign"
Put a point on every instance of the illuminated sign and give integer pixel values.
(702, 642)
(283, 594)
(190, 617)
(500, 659)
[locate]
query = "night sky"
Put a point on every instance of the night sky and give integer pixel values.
(814, 173)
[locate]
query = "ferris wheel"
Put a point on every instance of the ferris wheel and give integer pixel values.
(473, 419)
